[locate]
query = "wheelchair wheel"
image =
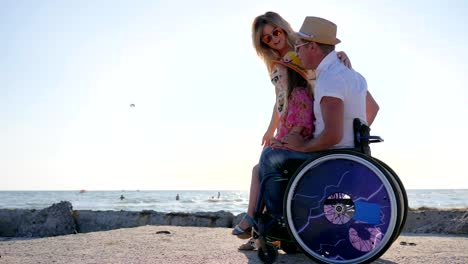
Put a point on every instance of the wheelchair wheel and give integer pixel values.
(343, 207)
(401, 192)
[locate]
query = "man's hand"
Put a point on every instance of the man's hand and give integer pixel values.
(274, 143)
(294, 141)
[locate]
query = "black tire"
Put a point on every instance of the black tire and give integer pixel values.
(401, 192)
(269, 256)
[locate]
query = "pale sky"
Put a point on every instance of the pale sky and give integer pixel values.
(69, 71)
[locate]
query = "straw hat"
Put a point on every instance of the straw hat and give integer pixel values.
(318, 30)
(293, 62)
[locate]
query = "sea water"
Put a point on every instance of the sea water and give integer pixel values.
(189, 201)
(161, 201)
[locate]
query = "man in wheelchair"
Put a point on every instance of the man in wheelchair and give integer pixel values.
(340, 96)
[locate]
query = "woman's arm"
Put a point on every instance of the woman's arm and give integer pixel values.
(371, 108)
(273, 120)
(271, 127)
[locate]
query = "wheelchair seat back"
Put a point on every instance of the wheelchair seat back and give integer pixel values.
(362, 137)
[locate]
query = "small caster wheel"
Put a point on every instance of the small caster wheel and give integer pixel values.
(269, 255)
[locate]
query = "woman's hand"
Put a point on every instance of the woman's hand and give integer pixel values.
(344, 59)
(266, 138)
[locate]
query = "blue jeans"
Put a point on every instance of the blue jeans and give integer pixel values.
(276, 167)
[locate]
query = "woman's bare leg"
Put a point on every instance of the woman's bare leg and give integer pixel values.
(253, 196)
(254, 189)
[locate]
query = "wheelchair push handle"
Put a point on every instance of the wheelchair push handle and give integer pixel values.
(372, 139)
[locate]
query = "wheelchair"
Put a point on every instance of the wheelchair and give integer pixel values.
(343, 206)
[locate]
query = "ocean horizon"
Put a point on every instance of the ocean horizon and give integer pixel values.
(189, 200)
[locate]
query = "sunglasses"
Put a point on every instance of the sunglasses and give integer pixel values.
(297, 46)
(269, 37)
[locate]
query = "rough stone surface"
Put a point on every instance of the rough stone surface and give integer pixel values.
(55, 220)
(238, 218)
(454, 221)
(9, 221)
(60, 219)
(90, 221)
(207, 219)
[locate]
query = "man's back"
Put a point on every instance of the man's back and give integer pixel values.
(336, 80)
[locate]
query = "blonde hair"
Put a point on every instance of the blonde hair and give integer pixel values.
(266, 53)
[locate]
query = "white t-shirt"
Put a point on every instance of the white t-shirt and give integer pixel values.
(334, 79)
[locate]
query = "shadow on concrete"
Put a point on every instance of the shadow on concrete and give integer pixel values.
(298, 258)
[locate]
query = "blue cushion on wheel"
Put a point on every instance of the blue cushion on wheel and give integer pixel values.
(367, 212)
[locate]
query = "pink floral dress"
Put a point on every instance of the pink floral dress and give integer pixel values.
(298, 112)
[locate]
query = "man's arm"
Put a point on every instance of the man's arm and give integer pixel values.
(371, 108)
(297, 130)
(333, 116)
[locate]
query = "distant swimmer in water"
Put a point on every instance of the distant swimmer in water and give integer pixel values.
(177, 197)
(219, 195)
(122, 197)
